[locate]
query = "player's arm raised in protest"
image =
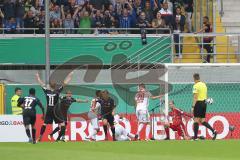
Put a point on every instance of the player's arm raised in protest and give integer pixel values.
(82, 101)
(156, 97)
(68, 78)
(39, 80)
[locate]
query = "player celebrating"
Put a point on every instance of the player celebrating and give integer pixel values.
(199, 106)
(107, 112)
(52, 95)
(28, 104)
(177, 123)
(93, 115)
(121, 134)
(142, 101)
(65, 103)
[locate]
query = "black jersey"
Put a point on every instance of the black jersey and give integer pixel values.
(52, 96)
(65, 103)
(107, 106)
(29, 103)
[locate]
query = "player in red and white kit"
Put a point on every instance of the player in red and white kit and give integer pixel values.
(93, 116)
(141, 102)
(177, 123)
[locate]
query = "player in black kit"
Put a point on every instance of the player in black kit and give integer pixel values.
(61, 113)
(28, 104)
(107, 113)
(52, 95)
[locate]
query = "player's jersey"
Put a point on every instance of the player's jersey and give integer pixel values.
(95, 105)
(201, 89)
(107, 106)
(120, 133)
(52, 96)
(29, 103)
(142, 100)
(177, 116)
(65, 103)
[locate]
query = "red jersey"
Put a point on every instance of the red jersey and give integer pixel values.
(177, 115)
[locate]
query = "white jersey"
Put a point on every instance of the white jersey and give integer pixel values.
(95, 106)
(142, 100)
(120, 133)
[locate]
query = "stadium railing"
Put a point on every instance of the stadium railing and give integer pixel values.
(229, 49)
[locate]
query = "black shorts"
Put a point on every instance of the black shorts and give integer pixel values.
(109, 118)
(51, 116)
(200, 109)
(29, 118)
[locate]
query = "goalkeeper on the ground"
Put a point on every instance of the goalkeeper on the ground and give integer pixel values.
(176, 124)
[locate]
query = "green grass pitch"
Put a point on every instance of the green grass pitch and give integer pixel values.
(154, 150)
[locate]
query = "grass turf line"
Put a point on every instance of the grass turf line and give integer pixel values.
(155, 150)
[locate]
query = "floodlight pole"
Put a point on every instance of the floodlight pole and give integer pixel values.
(47, 43)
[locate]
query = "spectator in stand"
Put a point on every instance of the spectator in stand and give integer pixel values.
(137, 7)
(55, 24)
(178, 27)
(125, 20)
(8, 10)
(40, 22)
(68, 21)
(55, 13)
(97, 20)
(29, 22)
(1, 19)
(159, 22)
(110, 22)
(97, 4)
(166, 14)
(148, 11)
(20, 12)
(207, 28)
(10, 26)
(188, 5)
(142, 21)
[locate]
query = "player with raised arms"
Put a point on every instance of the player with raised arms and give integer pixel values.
(141, 103)
(52, 93)
(176, 124)
(65, 103)
(28, 104)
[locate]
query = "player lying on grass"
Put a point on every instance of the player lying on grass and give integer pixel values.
(121, 133)
(28, 104)
(61, 113)
(52, 93)
(141, 102)
(93, 116)
(177, 122)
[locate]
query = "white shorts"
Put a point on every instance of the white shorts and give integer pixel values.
(121, 133)
(93, 120)
(143, 116)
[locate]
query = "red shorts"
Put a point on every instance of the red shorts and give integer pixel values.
(177, 128)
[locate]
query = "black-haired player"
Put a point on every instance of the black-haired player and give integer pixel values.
(65, 103)
(29, 104)
(107, 113)
(52, 95)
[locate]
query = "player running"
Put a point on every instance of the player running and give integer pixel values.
(177, 122)
(121, 134)
(93, 115)
(107, 114)
(65, 103)
(199, 106)
(28, 104)
(141, 102)
(52, 95)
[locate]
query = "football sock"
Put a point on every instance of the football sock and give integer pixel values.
(55, 131)
(113, 132)
(105, 128)
(28, 133)
(43, 128)
(207, 125)
(148, 128)
(140, 127)
(167, 132)
(33, 134)
(195, 129)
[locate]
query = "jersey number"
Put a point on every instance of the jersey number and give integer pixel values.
(28, 103)
(51, 101)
